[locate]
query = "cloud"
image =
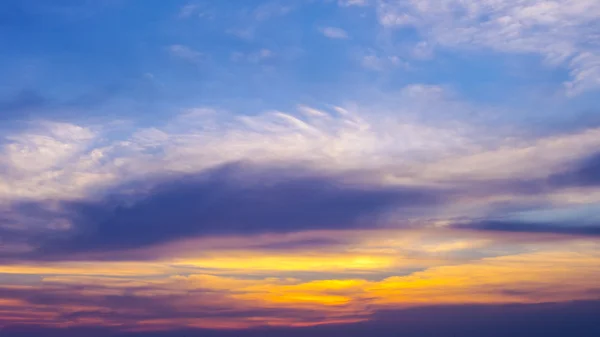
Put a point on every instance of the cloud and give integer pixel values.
(525, 160)
(349, 3)
(244, 34)
(271, 9)
(313, 215)
(254, 57)
(585, 172)
(334, 33)
(528, 227)
(374, 61)
(531, 320)
(104, 191)
(585, 73)
(188, 10)
(185, 53)
(334, 140)
(136, 305)
(573, 219)
(423, 51)
(299, 244)
(31, 152)
(561, 32)
(133, 294)
(233, 199)
(525, 320)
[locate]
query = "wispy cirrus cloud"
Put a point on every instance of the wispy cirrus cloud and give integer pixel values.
(562, 32)
(334, 33)
(374, 61)
(185, 53)
(187, 10)
(271, 9)
(253, 57)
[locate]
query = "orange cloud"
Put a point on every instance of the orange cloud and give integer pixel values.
(236, 289)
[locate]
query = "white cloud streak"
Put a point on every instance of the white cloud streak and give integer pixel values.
(185, 53)
(563, 32)
(62, 161)
(348, 3)
(334, 33)
(67, 161)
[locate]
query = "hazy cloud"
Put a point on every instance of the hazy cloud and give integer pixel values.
(334, 33)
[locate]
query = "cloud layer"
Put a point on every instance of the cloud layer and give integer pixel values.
(292, 168)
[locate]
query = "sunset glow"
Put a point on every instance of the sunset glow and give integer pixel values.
(351, 168)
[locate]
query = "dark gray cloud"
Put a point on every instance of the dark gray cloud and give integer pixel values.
(531, 227)
(241, 199)
(586, 172)
(232, 199)
(582, 172)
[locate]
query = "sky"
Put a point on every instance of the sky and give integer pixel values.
(299, 168)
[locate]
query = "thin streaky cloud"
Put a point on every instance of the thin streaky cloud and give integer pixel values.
(334, 33)
(185, 53)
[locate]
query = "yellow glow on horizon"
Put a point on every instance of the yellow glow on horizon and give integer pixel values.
(520, 278)
(255, 262)
(275, 288)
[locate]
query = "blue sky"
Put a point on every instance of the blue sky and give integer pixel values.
(146, 60)
(249, 165)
